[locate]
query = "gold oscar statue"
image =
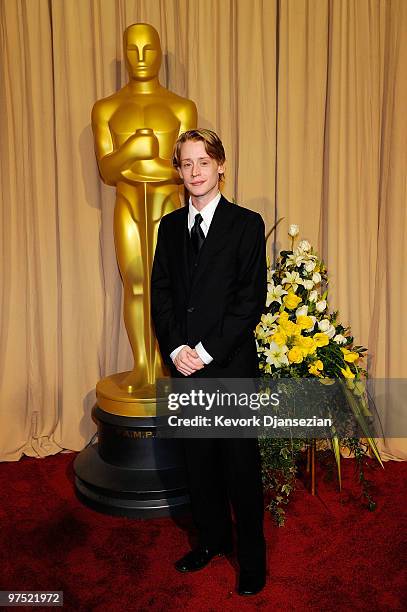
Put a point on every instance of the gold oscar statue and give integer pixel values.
(135, 130)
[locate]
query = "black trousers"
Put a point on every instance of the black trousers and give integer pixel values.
(221, 471)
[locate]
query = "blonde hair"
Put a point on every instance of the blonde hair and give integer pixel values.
(212, 143)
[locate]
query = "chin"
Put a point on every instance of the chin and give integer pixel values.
(201, 191)
(197, 192)
(142, 76)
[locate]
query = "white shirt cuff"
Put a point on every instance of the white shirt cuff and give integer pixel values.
(204, 355)
(175, 352)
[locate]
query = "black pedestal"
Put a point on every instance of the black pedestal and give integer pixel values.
(130, 472)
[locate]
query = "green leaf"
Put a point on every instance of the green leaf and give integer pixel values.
(337, 454)
(373, 446)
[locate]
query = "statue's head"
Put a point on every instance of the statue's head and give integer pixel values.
(142, 50)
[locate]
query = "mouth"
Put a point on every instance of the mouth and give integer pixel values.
(197, 183)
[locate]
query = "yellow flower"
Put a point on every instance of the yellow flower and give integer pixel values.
(307, 344)
(316, 367)
(295, 355)
(291, 329)
(284, 317)
(349, 356)
(305, 322)
(288, 327)
(321, 339)
(279, 337)
(347, 372)
(291, 300)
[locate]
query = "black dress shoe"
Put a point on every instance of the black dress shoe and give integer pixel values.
(251, 583)
(197, 559)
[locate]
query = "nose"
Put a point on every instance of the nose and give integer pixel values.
(141, 53)
(196, 170)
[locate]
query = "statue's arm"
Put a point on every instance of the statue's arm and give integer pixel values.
(161, 169)
(113, 162)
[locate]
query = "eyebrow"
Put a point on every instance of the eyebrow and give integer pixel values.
(134, 46)
(199, 158)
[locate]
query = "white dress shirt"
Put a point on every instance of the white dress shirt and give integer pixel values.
(207, 215)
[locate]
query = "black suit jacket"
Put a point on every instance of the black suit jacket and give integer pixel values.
(220, 298)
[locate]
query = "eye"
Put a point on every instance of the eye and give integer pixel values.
(186, 164)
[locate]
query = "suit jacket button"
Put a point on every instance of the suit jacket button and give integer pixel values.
(190, 309)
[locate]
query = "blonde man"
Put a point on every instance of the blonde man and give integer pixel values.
(208, 293)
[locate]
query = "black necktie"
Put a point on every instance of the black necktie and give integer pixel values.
(197, 235)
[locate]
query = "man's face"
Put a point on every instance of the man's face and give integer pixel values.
(142, 50)
(199, 172)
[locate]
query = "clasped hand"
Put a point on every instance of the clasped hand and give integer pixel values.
(188, 361)
(143, 145)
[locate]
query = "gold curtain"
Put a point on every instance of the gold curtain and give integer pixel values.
(309, 97)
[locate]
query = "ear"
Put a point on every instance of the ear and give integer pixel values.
(179, 172)
(221, 170)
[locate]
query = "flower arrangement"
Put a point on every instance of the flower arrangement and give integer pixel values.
(299, 337)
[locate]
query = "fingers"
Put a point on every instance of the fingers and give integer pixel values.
(198, 363)
(194, 359)
(187, 361)
(184, 369)
(183, 363)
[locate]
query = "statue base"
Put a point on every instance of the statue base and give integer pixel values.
(130, 472)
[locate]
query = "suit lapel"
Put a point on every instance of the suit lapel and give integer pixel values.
(217, 235)
(180, 237)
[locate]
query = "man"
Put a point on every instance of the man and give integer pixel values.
(208, 291)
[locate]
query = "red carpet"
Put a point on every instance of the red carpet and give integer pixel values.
(331, 555)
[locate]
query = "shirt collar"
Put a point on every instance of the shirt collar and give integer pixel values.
(207, 212)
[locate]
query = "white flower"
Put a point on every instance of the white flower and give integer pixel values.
(268, 319)
(313, 296)
(274, 294)
(262, 333)
(293, 231)
(321, 305)
(293, 279)
(302, 311)
(316, 277)
(310, 265)
(276, 355)
(304, 246)
(270, 275)
(296, 259)
(339, 339)
(308, 284)
(331, 331)
(324, 325)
